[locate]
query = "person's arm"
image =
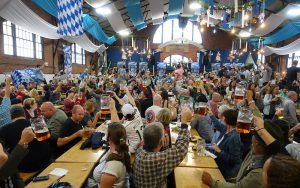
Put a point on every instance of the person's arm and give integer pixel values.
(216, 123)
(58, 88)
(95, 121)
(252, 179)
(113, 111)
(130, 98)
(17, 154)
(3, 156)
(107, 180)
(93, 94)
(294, 129)
(7, 87)
(61, 141)
(176, 154)
(121, 102)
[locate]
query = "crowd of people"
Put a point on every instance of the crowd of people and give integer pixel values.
(140, 113)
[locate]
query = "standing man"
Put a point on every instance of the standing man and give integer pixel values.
(289, 108)
(267, 74)
(291, 75)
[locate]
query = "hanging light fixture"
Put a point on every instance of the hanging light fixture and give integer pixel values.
(233, 30)
(194, 4)
(214, 31)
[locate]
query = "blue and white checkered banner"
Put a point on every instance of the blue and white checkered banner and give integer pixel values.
(70, 17)
(83, 75)
(68, 61)
(27, 76)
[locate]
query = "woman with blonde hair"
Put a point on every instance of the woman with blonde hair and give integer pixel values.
(164, 116)
(30, 107)
(35, 94)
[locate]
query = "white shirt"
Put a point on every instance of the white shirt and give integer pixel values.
(134, 131)
(114, 168)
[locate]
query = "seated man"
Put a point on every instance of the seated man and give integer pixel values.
(54, 118)
(39, 152)
(152, 166)
(71, 131)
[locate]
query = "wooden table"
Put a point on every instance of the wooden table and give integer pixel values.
(193, 160)
(76, 155)
(77, 174)
(192, 177)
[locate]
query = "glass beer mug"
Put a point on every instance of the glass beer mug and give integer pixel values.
(239, 93)
(197, 83)
(123, 84)
(105, 104)
(201, 109)
(39, 127)
(244, 120)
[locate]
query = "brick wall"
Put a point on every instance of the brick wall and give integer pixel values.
(9, 63)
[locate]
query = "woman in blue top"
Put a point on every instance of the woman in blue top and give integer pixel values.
(229, 147)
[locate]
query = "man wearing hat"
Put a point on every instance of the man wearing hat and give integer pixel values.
(132, 122)
(265, 142)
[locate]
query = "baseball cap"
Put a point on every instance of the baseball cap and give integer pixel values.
(127, 109)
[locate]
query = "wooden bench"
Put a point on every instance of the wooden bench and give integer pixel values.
(26, 177)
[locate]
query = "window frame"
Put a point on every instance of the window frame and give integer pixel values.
(161, 30)
(33, 42)
(75, 53)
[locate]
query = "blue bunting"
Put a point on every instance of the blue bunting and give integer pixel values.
(89, 24)
(175, 7)
(288, 31)
(135, 14)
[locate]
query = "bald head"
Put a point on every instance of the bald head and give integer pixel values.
(157, 100)
(292, 95)
(216, 97)
(48, 109)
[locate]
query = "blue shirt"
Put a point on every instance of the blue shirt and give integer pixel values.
(5, 111)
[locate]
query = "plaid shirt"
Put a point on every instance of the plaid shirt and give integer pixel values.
(5, 111)
(152, 168)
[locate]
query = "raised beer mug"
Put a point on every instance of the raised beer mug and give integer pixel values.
(40, 128)
(239, 93)
(105, 104)
(244, 120)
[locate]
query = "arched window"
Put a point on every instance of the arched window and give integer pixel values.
(170, 30)
(174, 59)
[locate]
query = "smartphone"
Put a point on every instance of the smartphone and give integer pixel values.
(40, 178)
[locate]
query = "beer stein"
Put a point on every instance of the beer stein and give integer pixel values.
(239, 93)
(244, 120)
(39, 128)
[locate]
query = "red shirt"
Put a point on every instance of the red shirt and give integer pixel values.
(68, 106)
(21, 93)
